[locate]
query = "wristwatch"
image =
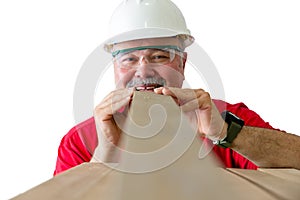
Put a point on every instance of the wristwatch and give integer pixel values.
(235, 125)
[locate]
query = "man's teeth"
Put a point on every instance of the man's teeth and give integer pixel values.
(150, 87)
(145, 88)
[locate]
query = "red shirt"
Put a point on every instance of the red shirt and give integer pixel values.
(78, 145)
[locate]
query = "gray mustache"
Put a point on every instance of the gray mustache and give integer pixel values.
(146, 81)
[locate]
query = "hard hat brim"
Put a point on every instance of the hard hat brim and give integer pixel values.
(144, 34)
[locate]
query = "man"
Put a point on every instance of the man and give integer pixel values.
(148, 42)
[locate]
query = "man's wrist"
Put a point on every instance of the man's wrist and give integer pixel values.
(234, 126)
(222, 135)
(224, 132)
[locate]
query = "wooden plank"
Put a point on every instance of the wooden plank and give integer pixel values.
(92, 181)
(187, 177)
(287, 174)
(279, 187)
(72, 184)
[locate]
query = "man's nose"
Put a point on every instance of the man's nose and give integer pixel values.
(144, 69)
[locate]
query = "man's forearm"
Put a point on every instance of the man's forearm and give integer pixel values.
(268, 148)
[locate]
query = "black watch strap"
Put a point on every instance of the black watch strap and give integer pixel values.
(235, 125)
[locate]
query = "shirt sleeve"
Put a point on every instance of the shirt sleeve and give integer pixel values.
(77, 146)
(71, 152)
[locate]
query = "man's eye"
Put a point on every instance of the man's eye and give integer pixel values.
(160, 58)
(128, 60)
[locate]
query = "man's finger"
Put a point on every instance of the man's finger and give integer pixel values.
(105, 113)
(182, 94)
(114, 97)
(202, 103)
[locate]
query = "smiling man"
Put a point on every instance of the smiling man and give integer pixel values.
(138, 63)
(147, 47)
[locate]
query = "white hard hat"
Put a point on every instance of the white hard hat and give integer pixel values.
(141, 19)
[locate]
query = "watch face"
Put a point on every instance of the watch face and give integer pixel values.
(229, 117)
(235, 124)
(234, 115)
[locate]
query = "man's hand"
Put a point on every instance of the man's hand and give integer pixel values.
(209, 120)
(108, 116)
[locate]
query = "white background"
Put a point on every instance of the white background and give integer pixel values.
(254, 45)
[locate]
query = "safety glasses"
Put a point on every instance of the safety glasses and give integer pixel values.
(132, 57)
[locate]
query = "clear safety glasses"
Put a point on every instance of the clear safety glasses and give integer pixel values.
(132, 57)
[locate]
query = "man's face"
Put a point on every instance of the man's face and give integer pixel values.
(149, 68)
